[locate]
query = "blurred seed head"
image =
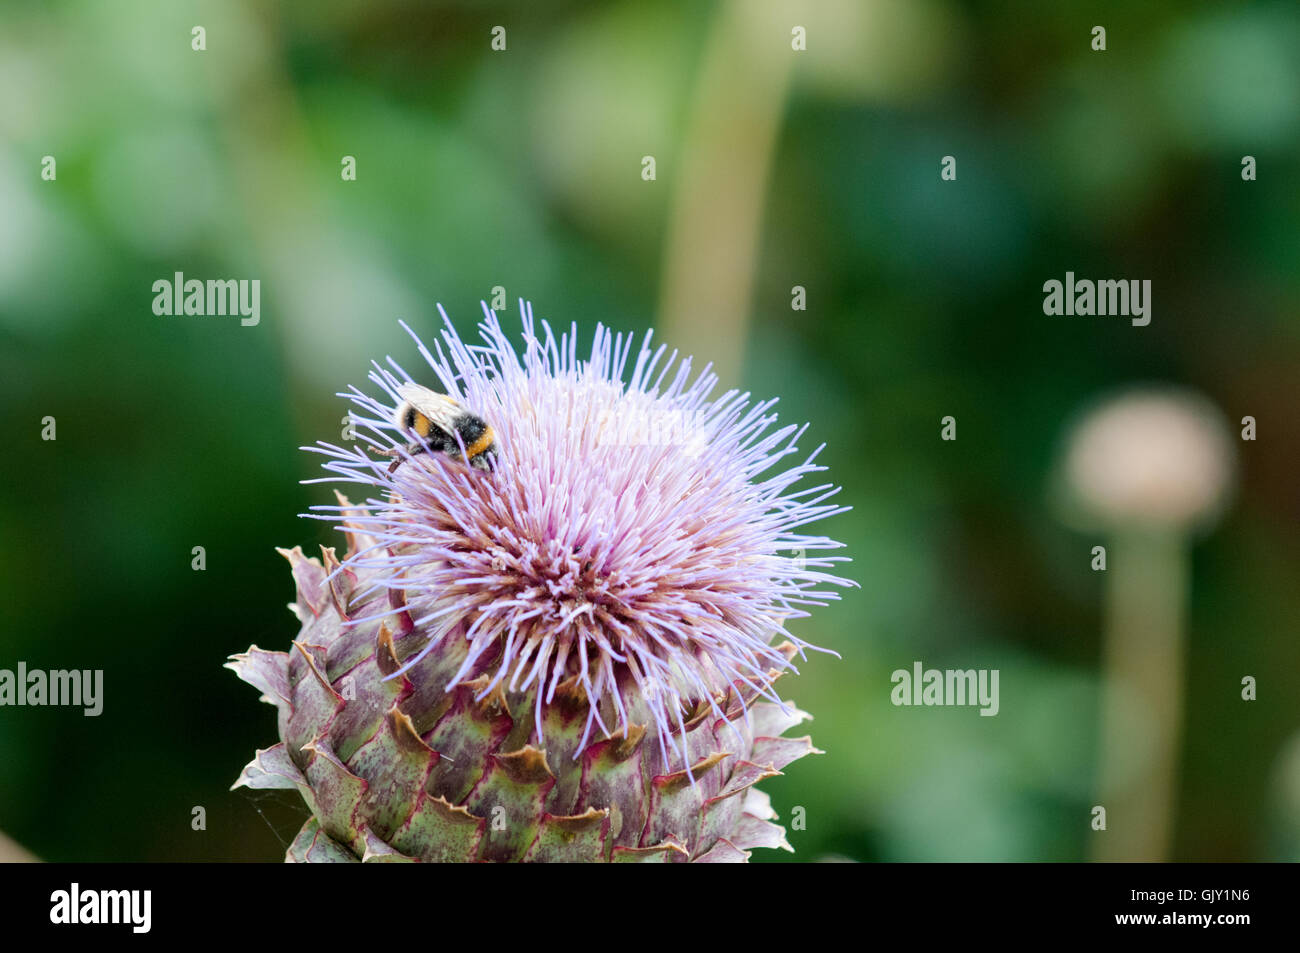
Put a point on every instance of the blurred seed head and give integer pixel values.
(1159, 458)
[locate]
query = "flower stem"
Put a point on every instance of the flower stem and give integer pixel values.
(1142, 695)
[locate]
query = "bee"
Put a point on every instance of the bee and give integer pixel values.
(438, 419)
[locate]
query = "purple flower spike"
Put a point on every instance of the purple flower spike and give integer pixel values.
(635, 534)
(558, 559)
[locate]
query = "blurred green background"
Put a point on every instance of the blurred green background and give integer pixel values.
(522, 169)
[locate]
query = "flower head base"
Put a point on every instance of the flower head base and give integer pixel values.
(635, 542)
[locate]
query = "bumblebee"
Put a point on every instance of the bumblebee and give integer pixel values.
(438, 420)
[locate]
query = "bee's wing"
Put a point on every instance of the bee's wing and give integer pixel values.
(441, 410)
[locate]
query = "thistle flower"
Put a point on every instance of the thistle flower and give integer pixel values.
(567, 657)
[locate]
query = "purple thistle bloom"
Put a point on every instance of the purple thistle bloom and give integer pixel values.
(634, 534)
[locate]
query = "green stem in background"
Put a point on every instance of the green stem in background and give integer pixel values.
(1142, 703)
(711, 246)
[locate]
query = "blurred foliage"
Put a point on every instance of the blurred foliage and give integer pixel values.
(522, 169)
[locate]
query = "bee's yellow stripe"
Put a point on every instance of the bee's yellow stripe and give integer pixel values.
(481, 444)
(422, 425)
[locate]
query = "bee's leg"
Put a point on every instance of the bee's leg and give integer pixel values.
(412, 450)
